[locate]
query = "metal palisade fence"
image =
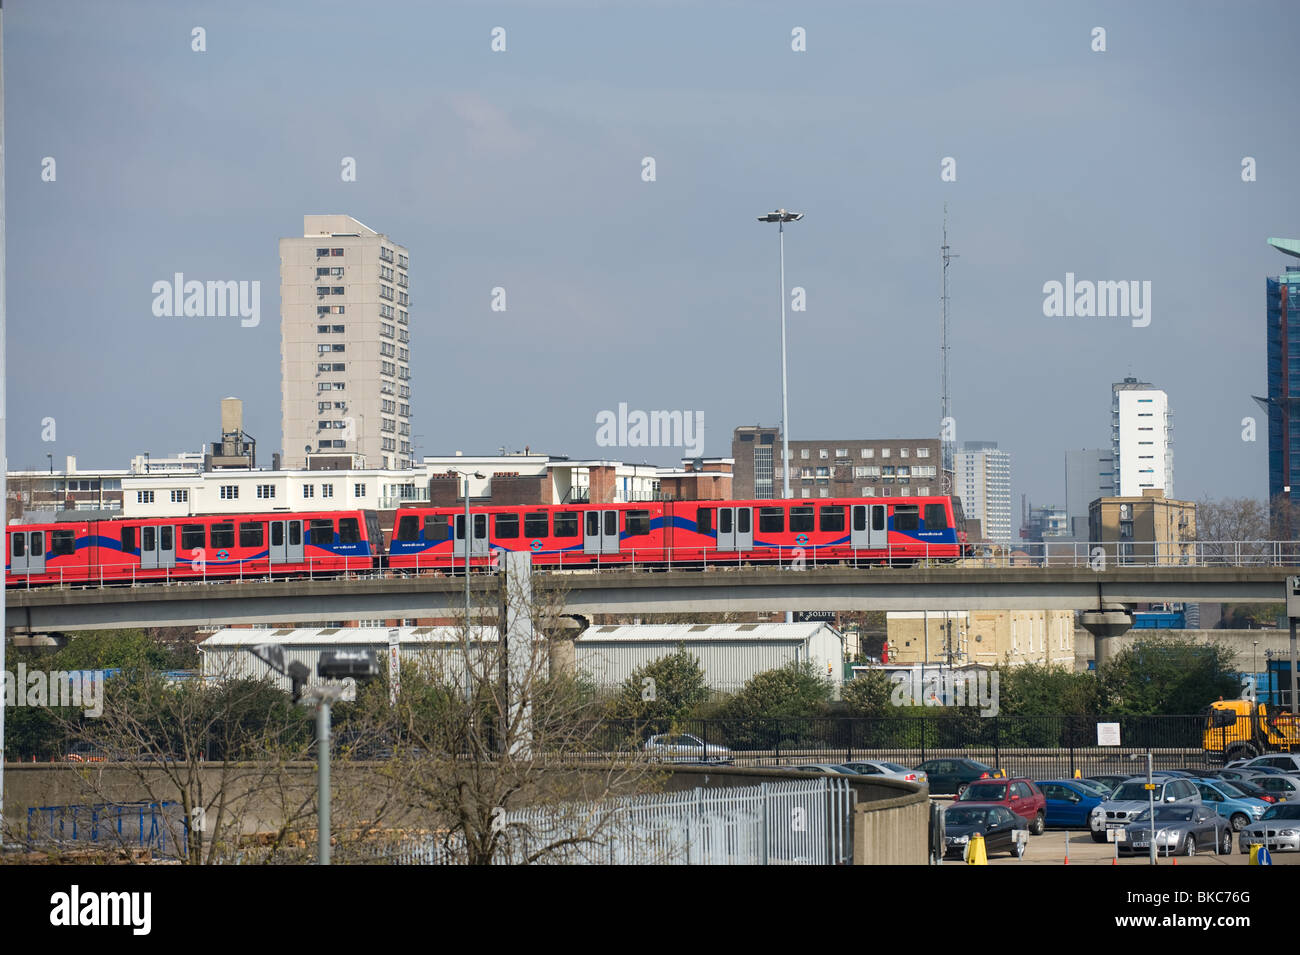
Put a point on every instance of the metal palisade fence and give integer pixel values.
(799, 822)
(1041, 747)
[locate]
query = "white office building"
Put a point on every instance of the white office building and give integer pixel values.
(983, 481)
(1141, 439)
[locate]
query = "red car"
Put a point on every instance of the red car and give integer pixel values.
(1021, 796)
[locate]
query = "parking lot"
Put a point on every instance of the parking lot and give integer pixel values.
(1051, 848)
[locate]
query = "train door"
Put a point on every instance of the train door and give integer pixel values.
(878, 535)
(27, 552)
(600, 532)
(859, 527)
(735, 528)
(286, 542)
(157, 547)
(479, 537)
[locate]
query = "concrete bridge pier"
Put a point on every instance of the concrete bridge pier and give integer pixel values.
(1114, 620)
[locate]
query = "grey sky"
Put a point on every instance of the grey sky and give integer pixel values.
(523, 170)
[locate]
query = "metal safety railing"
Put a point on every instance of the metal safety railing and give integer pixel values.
(1018, 554)
(800, 822)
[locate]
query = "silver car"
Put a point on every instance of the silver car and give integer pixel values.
(879, 767)
(1179, 829)
(1278, 828)
(1132, 798)
(824, 768)
(1287, 762)
(685, 748)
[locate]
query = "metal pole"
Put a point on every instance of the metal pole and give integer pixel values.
(323, 781)
(785, 409)
(468, 692)
(1151, 801)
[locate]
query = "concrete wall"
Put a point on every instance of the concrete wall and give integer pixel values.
(1242, 641)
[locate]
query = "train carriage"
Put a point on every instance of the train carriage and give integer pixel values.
(694, 533)
(201, 546)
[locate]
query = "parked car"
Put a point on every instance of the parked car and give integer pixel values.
(1285, 788)
(1251, 790)
(995, 823)
(1021, 796)
(1069, 801)
(877, 767)
(1286, 762)
(949, 775)
(1131, 798)
(1101, 789)
(1278, 829)
(830, 769)
(1110, 779)
(1179, 829)
(685, 748)
(1230, 802)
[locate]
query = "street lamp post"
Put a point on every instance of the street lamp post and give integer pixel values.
(1151, 802)
(781, 217)
(468, 536)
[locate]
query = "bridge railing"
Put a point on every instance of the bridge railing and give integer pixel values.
(983, 554)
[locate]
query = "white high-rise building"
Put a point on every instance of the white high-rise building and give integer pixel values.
(1141, 439)
(983, 481)
(345, 344)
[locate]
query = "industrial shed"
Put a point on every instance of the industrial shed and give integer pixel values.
(730, 653)
(226, 655)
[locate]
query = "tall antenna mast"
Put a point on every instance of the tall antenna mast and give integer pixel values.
(945, 417)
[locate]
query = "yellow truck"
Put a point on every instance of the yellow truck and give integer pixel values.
(1242, 729)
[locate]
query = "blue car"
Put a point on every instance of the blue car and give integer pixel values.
(1069, 802)
(1230, 802)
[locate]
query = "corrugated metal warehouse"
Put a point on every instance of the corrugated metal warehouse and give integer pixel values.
(226, 654)
(730, 653)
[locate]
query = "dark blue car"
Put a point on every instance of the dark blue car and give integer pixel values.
(1069, 801)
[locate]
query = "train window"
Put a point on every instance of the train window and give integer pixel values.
(222, 535)
(771, 520)
(506, 525)
(277, 533)
(191, 536)
(321, 532)
(833, 517)
(480, 526)
(437, 528)
(704, 518)
(128, 539)
(251, 534)
(408, 528)
(801, 519)
(907, 517)
(878, 517)
(349, 530)
(566, 524)
(63, 542)
(19, 543)
(166, 539)
(611, 523)
(936, 517)
(859, 517)
(593, 523)
(724, 520)
(38, 544)
(535, 524)
(637, 523)
(148, 538)
(742, 520)
(295, 533)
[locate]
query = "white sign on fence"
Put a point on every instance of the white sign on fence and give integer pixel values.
(1107, 734)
